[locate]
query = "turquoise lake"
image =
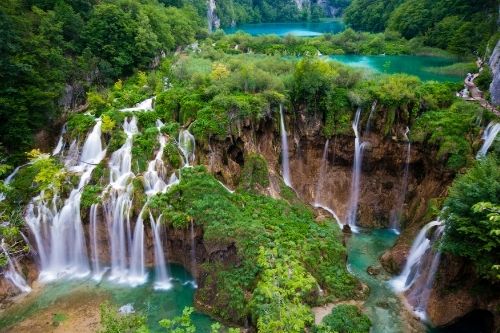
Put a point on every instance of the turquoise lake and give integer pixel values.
(414, 65)
(301, 29)
(154, 304)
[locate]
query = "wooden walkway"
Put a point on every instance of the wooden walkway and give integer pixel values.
(476, 94)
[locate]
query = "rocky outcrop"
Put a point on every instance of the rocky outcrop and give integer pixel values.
(382, 170)
(458, 292)
(494, 64)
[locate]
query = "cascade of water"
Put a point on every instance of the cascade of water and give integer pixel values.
(414, 263)
(322, 174)
(193, 252)
(284, 151)
(145, 105)
(489, 136)
(356, 173)
(210, 14)
(98, 272)
(12, 273)
(71, 158)
(153, 177)
(398, 210)
(162, 280)
(187, 145)
(119, 205)
(60, 143)
(419, 297)
(370, 117)
(331, 211)
(10, 177)
(66, 251)
(137, 273)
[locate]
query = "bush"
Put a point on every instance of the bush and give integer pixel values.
(345, 319)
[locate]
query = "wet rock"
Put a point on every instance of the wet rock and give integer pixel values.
(374, 270)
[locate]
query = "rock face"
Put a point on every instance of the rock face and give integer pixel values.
(458, 292)
(494, 64)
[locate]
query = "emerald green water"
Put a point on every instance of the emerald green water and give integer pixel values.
(302, 29)
(408, 64)
(382, 306)
(154, 304)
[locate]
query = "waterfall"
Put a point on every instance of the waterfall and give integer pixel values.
(66, 251)
(119, 205)
(193, 253)
(94, 248)
(284, 151)
(489, 135)
(13, 275)
(137, 273)
(153, 177)
(187, 145)
(412, 268)
(145, 105)
(398, 211)
(318, 203)
(370, 117)
(60, 143)
(322, 173)
(162, 281)
(356, 173)
(419, 297)
(213, 20)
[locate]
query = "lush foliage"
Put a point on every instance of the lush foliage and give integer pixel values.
(462, 27)
(48, 44)
(114, 322)
(345, 319)
(471, 215)
(452, 130)
(282, 236)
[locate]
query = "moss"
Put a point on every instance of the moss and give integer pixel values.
(79, 124)
(255, 173)
(118, 138)
(100, 174)
(138, 195)
(143, 149)
(171, 129)
(91, 194)
(172, 155)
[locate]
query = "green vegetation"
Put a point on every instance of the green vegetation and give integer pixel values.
(48, 44)
(344, 319)
(242, 11)
(255, 173)
(452, 130)
(283, 237)
(472, 217)
(114, 322)
(144, 145)
(462, 27)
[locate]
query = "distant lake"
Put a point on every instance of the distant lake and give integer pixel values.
(409, 64)
(302, 29)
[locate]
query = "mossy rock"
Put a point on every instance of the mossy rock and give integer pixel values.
(255, 174)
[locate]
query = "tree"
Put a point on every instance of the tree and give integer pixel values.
(471, 215)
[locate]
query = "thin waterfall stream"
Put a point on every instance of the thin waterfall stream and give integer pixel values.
(284, 151)
(356, 173)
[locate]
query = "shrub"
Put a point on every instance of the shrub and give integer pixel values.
(345, 319)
